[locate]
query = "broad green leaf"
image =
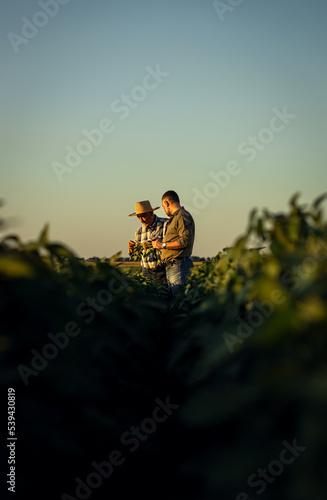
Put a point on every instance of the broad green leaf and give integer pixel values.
(13, 266)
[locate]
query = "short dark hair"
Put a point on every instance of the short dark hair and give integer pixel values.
(171, 196)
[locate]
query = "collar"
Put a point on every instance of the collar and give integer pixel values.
(175, 213)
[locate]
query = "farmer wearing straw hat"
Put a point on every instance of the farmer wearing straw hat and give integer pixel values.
(152, 227)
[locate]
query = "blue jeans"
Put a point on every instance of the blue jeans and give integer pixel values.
(177, 273)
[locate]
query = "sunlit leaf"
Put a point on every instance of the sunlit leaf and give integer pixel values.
(13, 266)
(44, 238)
(14, 238)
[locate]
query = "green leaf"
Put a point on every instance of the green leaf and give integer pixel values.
(13, 237)
(293, 200)
(113, 258)
(14, 266)
(60, 251)
(319, 200)
(43, 238)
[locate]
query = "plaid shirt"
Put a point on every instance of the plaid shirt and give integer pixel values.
(144, 233)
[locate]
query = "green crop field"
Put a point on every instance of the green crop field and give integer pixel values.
(220, 393)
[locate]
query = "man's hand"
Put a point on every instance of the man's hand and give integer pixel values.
(157, 243)
(131, 245)
(147, 244)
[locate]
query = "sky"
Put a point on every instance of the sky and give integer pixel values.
(105, 103)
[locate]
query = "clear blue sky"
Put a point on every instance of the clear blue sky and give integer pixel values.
(222, 78)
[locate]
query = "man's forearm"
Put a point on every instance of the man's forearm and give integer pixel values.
(170, 245)
(173, 245)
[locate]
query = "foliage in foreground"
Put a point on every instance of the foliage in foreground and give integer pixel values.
(243, 351)
(250, 346)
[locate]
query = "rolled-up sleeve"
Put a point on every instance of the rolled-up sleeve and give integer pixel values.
(185, 229)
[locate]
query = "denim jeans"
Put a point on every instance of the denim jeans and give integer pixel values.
(177, 273)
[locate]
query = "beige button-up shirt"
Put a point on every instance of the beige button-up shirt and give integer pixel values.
(180, 228)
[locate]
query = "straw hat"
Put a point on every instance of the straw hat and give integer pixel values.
(143, 206)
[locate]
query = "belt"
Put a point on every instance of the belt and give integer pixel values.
(171, 262)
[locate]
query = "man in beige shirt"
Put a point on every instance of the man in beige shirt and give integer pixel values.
(177, 245)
